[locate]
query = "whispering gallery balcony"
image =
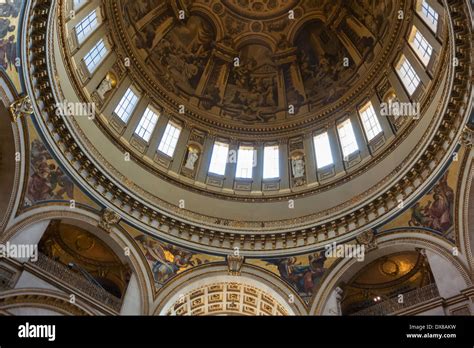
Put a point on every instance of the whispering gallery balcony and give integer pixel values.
(76, 282)
(412, 298)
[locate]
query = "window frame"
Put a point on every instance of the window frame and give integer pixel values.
(275, 165)
(221, 144)
(403, 59)
(174, 140)
(339, 126)
(120, 106)
(331, 163)
(147, 132)
(101, 59)
(366, 117)
(242, 148)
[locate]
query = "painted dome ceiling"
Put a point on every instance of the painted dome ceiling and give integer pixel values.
(250, 66)
(175, 82)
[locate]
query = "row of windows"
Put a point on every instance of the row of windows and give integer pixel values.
(148, 121)
(245, 156)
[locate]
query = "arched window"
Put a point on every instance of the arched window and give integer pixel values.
(428, 14)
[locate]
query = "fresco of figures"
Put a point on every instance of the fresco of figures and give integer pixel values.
(437, 213)
(256, 80)
(46, 179)
(167, 260)
(303, 275)
(9, 15)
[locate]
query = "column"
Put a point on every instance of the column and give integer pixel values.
(310, 157)
(257, 172)
(156, 136)
(181, 149)
(206, 159)
(448, 279)
(231, 166)
(131, 304)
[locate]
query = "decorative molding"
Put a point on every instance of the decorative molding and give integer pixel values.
(234, 264)
(21, 107)
(367, 238)
(108, 219)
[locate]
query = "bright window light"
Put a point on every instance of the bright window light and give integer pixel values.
(322, 148)
(245, 162)
(147, 124)
(219, 157)
(421, 46)
(78, 4)
(429, 15)
(271, 162)
(347, 138)
(408, 75)
(370, 121)
(170, 139)
(86, 27)
(126, 106)
(95, 56)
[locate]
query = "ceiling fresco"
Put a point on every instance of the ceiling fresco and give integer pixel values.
(257, 54)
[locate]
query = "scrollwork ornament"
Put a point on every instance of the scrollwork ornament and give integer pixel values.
(108, 219)
(21, 107)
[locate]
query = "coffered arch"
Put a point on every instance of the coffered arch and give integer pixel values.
(281, 297)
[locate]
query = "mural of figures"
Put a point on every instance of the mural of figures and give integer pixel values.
(251, 92)
(181, 56)
(437, 213)
(47, 181)
(9, 15)
(167, 260)
(373, 14)
(135, 10)
(321, 61)
(304, 277)
(258, 72)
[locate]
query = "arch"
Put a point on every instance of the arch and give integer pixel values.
(251, 276)
(43, 300)
(262, 39)
(117, 239)
(13, 143)
(211, 18)
(389, 243)
(308, 18)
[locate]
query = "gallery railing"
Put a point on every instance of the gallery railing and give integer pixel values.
(77, 281)
(411, 298)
